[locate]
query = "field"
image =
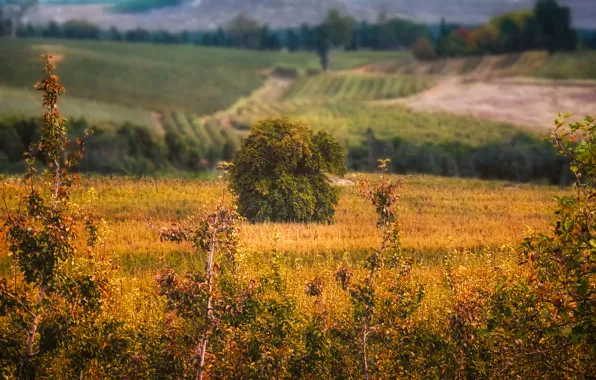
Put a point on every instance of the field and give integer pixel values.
(350, 87)
(477, 224)
(136, 277)
(506, 100)
(571, 66)
(24, 102)
(193, 79)
(437, 215)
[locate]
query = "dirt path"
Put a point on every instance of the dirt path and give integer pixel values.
(270, 92)
(523, 103)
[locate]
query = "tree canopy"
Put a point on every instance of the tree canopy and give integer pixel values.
(279, 173)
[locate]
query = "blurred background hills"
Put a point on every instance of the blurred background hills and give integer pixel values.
(175, 15)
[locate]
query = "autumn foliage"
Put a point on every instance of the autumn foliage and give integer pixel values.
(67, 309)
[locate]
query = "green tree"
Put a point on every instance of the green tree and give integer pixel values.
(554, 24)
(245, 32)
(335, 31)
(424, 50)
(510, 35)
(279, 173)
(548, 319)
(58, 295)
(15, 10)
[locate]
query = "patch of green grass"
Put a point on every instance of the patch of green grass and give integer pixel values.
(576, 65)
(197, 80)
(357, 87)
(18, 102)
(349, 122)
(579, 65)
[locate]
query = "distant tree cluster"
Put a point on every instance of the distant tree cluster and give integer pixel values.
(546, 27)
(337, 31)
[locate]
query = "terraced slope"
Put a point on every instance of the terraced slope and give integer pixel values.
(357, 87)
(204, 134)
(197, 80)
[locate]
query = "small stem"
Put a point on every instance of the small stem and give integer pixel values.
(34, 326)
(364, 350)
(207, 328)
(56, 179)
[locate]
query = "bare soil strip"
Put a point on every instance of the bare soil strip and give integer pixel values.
(522, 103)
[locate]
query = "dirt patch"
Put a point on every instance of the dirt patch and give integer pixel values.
(158, 117)
(57, 58)
(56, 51)
(534, 105)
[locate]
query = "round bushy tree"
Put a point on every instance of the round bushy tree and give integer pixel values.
(279, 173)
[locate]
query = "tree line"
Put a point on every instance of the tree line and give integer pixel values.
(546, 27)
(132, 150)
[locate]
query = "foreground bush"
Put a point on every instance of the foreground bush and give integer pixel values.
(50, 312)
(279, 173)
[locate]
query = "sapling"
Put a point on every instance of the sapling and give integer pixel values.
(52, 292)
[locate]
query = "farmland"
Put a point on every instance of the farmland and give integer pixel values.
(196, 104)
(150, 277)
(476, 224)
(438, 213)
(350, 87)
(164, 78)
(569, 66)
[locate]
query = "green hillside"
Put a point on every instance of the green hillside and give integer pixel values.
(167, 109)
(18, 102)
(357, 87)
(197, 80)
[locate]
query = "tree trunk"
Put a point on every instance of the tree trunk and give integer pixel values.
(324, 58)
(207, 329)
(30, 342)
(364, 350)
(14, 24)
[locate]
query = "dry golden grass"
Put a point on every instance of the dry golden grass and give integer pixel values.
(435, 213)
(481, 221)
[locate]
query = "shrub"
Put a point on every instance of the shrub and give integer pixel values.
(313, 71)
(54, 310)
(424, 50)
(545, 322)
(279, 173)
(281, 71)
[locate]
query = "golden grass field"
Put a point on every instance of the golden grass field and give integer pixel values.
(479, 222)
(436, 213)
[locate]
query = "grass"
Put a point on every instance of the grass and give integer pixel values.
(25, 102)
(481, 220)
(352, 121)
(436, 214)
(198, 132)
(538, 64)
(198, 80)
(349, 122)
(357, 87)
